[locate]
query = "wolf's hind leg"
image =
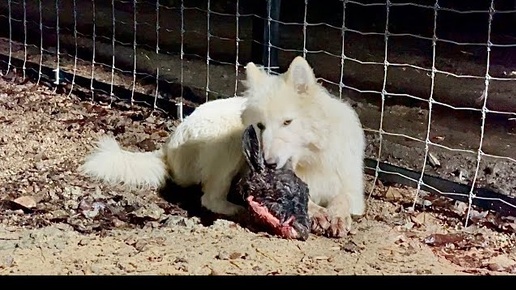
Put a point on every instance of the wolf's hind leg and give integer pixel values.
(214, 198)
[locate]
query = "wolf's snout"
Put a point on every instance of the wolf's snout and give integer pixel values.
(271, 162)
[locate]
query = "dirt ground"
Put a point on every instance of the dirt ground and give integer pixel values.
(55, 221)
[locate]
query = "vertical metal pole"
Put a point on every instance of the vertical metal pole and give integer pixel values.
(265, 32)
(271, 34)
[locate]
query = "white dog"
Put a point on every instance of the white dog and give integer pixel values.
(298, 120)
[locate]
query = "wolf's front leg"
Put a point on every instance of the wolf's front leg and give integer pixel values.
(333, 221)
(318, 217)
(340, 216)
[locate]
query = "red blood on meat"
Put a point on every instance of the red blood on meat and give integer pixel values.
(283, 229)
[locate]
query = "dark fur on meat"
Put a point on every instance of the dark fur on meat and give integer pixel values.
(279, 191)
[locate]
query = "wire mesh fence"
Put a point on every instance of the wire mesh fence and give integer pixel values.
(434, 82)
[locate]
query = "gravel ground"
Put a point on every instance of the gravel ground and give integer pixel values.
(55, 221)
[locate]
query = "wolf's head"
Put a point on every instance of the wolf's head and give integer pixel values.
(284, 110)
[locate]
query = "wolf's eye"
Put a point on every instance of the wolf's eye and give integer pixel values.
(287, 122)
(261, 126)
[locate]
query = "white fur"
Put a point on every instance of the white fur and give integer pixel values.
(324, 140)
(112, 164)
(204, 149)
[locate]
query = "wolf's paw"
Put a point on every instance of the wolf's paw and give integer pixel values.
(222, 207)
(319, 222)
(333, 221)
(340, 226)
(318, 218)
(331, 226)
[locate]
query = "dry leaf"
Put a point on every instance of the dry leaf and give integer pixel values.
(26, 201)
(422, 218)
(433, 160)
(460, 207)
(438, 139)
(476, 216)
(409, 225)
(393, 194)
(351, 247)
(443, 239)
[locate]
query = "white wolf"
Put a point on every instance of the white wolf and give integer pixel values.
(298, 120)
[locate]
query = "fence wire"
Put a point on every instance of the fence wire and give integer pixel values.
(203, 46)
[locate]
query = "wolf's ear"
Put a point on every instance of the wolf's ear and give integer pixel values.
(300, 75)
(254, 75)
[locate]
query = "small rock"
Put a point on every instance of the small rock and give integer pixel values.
(40, 156)
(154, 224)
(140, 245)
(60, 213)
(76, 192)
(223, 256)
(52, 194)
(180, 260)
(151, 211)
(71, 204)
(182, 221)
(423, 271)
(409, 225)
(84, 242)
(39, 166)
(26, 201)
(98, 205)
(222, 224)
(130, 241)
(18, 212)
(147, 145)
(90, 213)
(421, 218)
(214, 272)
(495, 267)
(236, 255)
(126, 267)
(98, 193)
(500, 262)
(117, 223)
(8, 245)
(151, 119)
(59, 244)
(64, 227)
(95, 268)
(6, 261)
(351, 247)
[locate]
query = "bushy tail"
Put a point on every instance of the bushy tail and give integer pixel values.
(112, 164)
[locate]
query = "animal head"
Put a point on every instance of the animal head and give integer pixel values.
(284, 110)
(276, 198)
